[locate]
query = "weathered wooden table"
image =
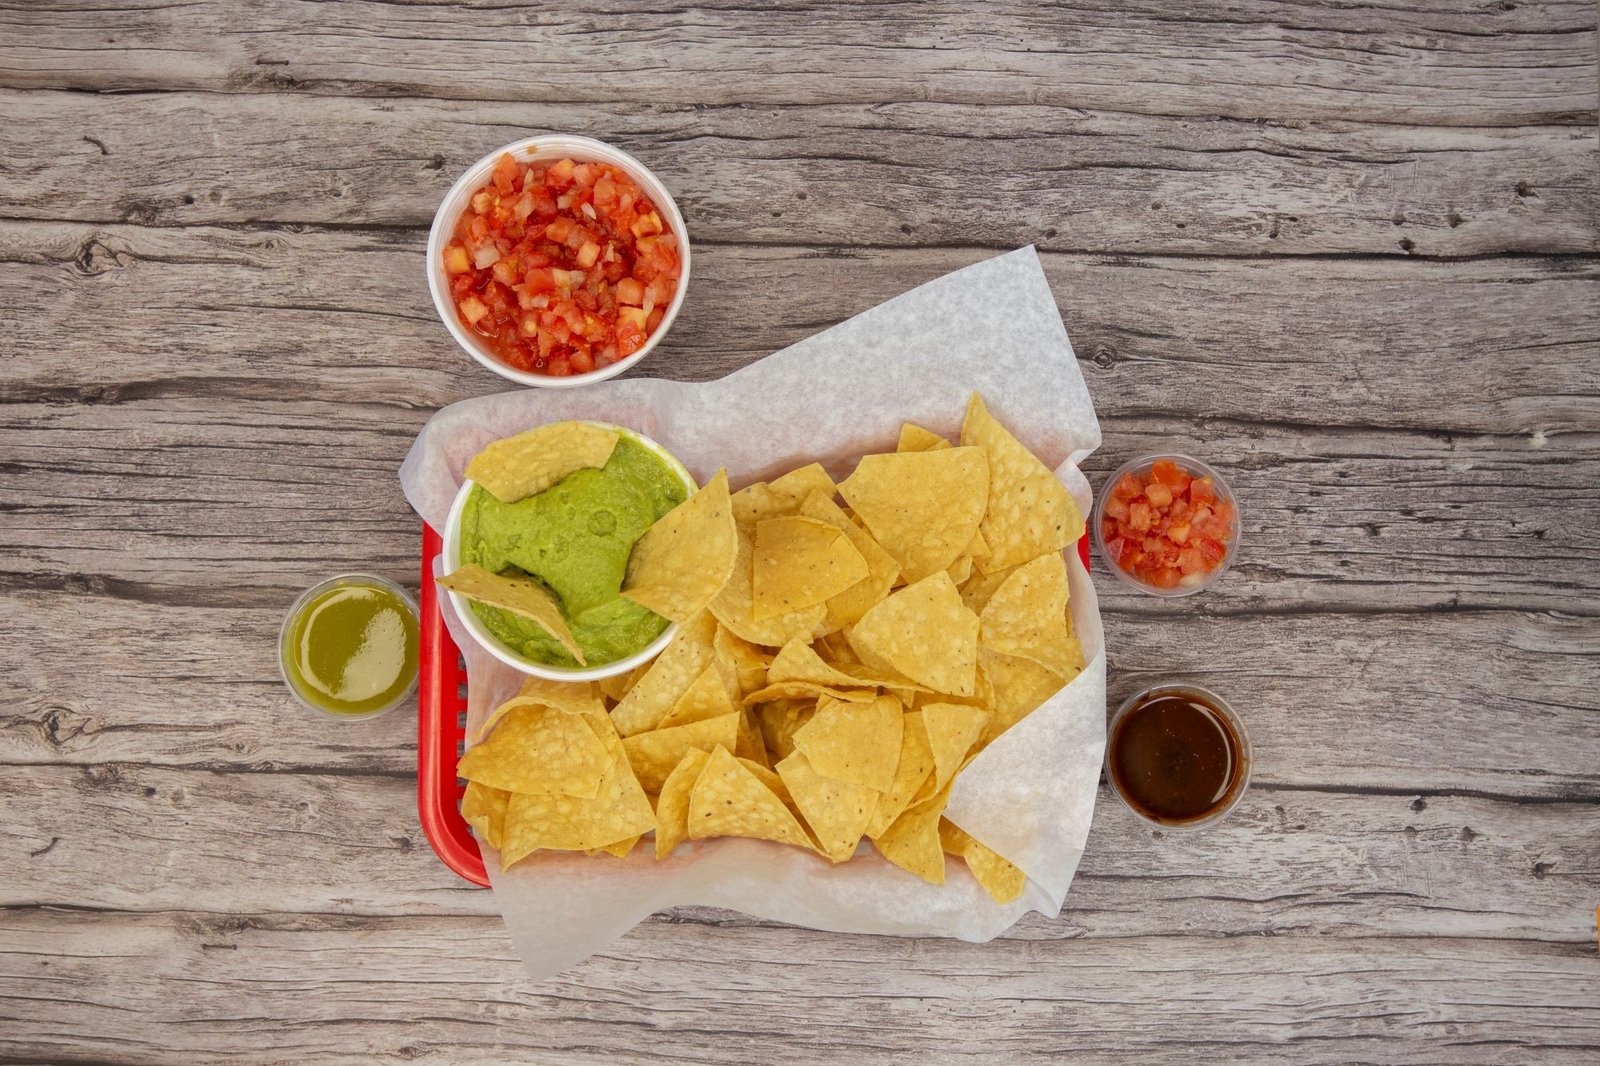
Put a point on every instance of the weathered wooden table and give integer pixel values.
(1350, 252)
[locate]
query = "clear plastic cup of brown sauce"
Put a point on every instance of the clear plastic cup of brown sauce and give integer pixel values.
(1178, 756)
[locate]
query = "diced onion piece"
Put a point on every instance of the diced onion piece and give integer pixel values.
(486, 257)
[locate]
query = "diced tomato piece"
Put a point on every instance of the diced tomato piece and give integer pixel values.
(1128, 487)
(587, 254)
(1217, 528)
(1158, 494)
(630, 292)
(1210, 550)
(1116, 506)
(455, 259)
(473, 310)
(1190, 561)
(1166, 578)
(1114, 548)
(1139, 516)
(582, 361)
(1178, 532)
(1201, 490)
(560, 173)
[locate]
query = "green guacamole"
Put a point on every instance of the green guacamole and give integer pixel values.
(575, 538)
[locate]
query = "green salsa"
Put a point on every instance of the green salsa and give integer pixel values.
(575, 538)
(351, 649)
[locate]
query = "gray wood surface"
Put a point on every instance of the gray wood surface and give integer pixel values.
(1350, 253)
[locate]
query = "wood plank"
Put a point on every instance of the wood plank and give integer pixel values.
(1461, 63)
(1289, 861)
(447, 990)
(1068, 179)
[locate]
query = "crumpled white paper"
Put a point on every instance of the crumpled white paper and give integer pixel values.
(993, 328)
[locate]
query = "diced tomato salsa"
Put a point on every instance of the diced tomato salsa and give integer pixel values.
(1166, 527)
(562, 267)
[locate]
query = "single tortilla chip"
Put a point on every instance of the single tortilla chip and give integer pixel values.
(779, 720)
(1020, 686)
(1003, 881)
(680, 564)
(960, 570)
(977, 590)
(519, 595)
(484, 808)
(781, 496)
(913, 438)
(672, 806)
(616, 686)
(1027, 616)
(667, 678)
(846, 607)
(789, 690)
(653, 755)
(620, 849)
(619, 809)
(751, 746)
(855, 742)
(735, 607)
(923, 507)
(707, 697)
(953, 729)
(747, 662)
(797, 661)
(915, 766)
(575, 697)
(924, 633)
(800, 562)
(912, 842)
(515, 468)
(1029, 512)
(539, 750)
(729, 800)
(836, 811)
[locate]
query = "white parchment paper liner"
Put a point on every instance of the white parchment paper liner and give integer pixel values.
(992, 327)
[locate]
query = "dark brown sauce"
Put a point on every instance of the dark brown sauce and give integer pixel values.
(1175, 757)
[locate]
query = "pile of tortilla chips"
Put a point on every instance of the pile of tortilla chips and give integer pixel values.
(832, 688)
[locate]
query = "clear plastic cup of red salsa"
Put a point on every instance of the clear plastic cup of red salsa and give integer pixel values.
(1139, 560)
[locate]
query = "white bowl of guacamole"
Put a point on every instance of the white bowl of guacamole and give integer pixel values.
(575, 538)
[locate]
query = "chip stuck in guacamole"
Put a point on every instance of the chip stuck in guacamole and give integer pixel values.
(574, 538)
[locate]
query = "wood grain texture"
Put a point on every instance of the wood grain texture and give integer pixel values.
(1350, 252)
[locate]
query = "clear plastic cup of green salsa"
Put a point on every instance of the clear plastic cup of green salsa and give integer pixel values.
(348, 646)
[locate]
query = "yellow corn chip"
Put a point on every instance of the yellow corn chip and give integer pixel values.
(923, 507)
(672, 807)
(1020, 685)
(1027, 616)
(519, 595)
(779, 721)
(788, 690)
(620, 849)
(913, 438)
(680, 564)
(780, 497)
(517, 467)
(748, 662)
(667, 678)
(923, 633)
(654, 754)
(912, 842)
(847, 607)
(998, 877)
(836, 811)
(707, 697)
(796, 661)
(979, 587)
(960, 570)
(914, 767)
(619, 685)
(575, 697)
(799, 562)
(856, 742)
(729, 800)
(1029, 512)
(978, 549)
(751, 745)
(735, 607)
(835, 649)
(536, 749)
(953, 728)
(484, 808)
(619, 809)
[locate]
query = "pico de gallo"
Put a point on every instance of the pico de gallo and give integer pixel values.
(1167, 527)
(562, 267)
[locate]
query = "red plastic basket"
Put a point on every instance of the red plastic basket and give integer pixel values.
(442, 727)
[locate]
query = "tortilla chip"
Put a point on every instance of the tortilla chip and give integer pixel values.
(782, 496)
(536, 750)
(747, 662)
(750, 745)
(914, 766)
(575, 697)
(728, 800)
(620, 849)
(735, 607)
(616, 686)
(672, 807)
(707, 697)
(515, 468)
(519, 595)
(913, 438)
(1030, 513)
(836, 811)
(680, 564)
(789, 690)
(796, 661)
(912, 842)
(484, 808)
(667, 678)
(979, 587)
(799, 562)
(923, 633)
(1003, 881)
(953, 728)
(856, 742)
(653, 755)
(779, 721)
(960, 570)
(1027, 616)
(619, 809)
(846, 607)
(923, 507)
(1020, 686)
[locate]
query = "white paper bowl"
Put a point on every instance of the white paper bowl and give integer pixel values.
(531, 150)
(490, 643)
